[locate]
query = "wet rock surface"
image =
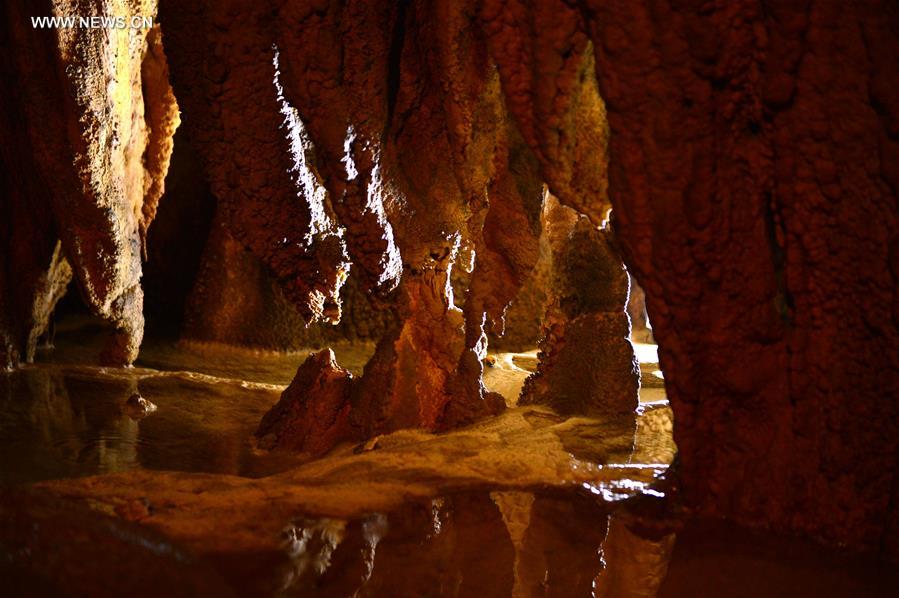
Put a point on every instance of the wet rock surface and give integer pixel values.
(137, 407)
(586, 364)
(504, 542)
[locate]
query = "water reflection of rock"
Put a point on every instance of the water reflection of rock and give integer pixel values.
(635, 565)
(65, 426)
(510, 543)
(72, 421)
(53, 547)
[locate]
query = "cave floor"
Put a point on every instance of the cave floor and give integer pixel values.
(524, 504)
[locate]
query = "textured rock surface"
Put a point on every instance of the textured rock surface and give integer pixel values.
(754, 177)
(313, 413)
(256, 149)
(586, 361)
(399, 143)
(101, 155)
(641, 330)
(234, 300)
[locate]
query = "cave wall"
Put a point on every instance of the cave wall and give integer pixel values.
(754, 175)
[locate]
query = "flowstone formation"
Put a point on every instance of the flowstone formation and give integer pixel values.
(586, 361)
(343, 136)
(99, 117)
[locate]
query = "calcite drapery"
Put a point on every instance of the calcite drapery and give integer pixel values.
(100, 152)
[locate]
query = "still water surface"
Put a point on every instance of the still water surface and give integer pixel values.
(64, 418)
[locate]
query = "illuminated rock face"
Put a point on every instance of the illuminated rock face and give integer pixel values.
(404, 157)
(751, 154)
(87, 169)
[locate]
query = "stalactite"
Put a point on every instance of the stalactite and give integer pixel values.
(90, 131)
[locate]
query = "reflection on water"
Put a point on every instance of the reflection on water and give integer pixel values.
(512, 543)
(526, 504)
(64, 417)
(541, 543)
(525, 543)
(74, 421)
(80, 340)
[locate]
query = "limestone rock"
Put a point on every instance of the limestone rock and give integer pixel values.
(102, 153)
(137, 407)
(586, 361)
(313, 413)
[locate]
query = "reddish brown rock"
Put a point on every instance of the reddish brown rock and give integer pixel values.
(753, 174)
(752, 165)
(544, 60)
(235, 300)
(162, 120)
(255, 148)
(313, 413)
(641, 330)
(445, 146)
(586, 361)
(86, 125)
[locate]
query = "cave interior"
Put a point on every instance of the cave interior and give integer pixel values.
(449, 298)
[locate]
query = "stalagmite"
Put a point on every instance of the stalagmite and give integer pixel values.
(586, 361)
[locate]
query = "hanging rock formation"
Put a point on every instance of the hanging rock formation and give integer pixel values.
(399, 147)
(234, 300)
(99, 119)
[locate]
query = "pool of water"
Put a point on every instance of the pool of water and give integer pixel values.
(65, 417)
(485, 543)
(525, 504)
(70, 421)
